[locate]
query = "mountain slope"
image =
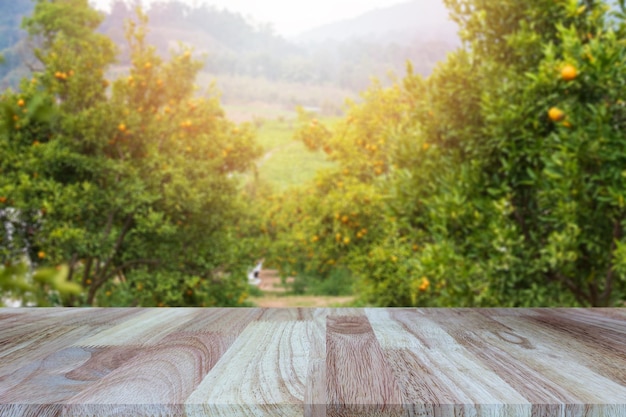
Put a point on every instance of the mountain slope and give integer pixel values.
(423, 19)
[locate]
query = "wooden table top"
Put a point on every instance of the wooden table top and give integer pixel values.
(312, 362)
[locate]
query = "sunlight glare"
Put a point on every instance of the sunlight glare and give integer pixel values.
(288, 18)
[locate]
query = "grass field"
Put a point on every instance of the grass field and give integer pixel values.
(285, 162)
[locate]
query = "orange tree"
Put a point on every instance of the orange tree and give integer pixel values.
(518, 204)
(319, 228)
(500, 176)
(129, 182)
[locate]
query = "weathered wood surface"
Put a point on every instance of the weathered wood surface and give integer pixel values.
(313, 362)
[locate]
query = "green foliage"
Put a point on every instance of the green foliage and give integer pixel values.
(43, 287)
(482, 197)
(131, 182)
(339, 282)
(496, 181)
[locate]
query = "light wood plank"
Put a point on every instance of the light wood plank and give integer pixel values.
(157, 382)
(314, 362)
(146, 328)
(558, 360)
(70, 371)
(470, 387)
(315, 395)
(270, 362)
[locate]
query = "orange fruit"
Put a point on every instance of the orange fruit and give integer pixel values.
(20, 102)
(555, 114)
(568, 72)
(424, 284)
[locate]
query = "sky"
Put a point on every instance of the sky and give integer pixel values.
(288, 17)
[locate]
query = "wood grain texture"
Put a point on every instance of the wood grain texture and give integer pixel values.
(194, 362)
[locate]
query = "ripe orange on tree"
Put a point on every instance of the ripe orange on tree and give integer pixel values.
(568, 72)
(555, 114)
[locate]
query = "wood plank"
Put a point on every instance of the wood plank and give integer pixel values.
(70, 371)
(177, 364)
(557, 358)
(429, 364)
(146, 328)
(188, 362)
(315, 388)
(359, 379)
(24, 347)
(270, 359)
(155, 382)
(541, 367)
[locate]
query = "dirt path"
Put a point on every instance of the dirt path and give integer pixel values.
(274, 295)
(280, 301)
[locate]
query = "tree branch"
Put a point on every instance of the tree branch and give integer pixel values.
(608, 281)
(72, 298)
(107, 229)
(593, 291)
(118, 244)
(87, 270)
(581, 297)
(72, 264)
(101, 273)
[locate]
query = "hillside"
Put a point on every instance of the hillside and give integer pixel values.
(13, 47)
(244, 53)
(416, 20)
